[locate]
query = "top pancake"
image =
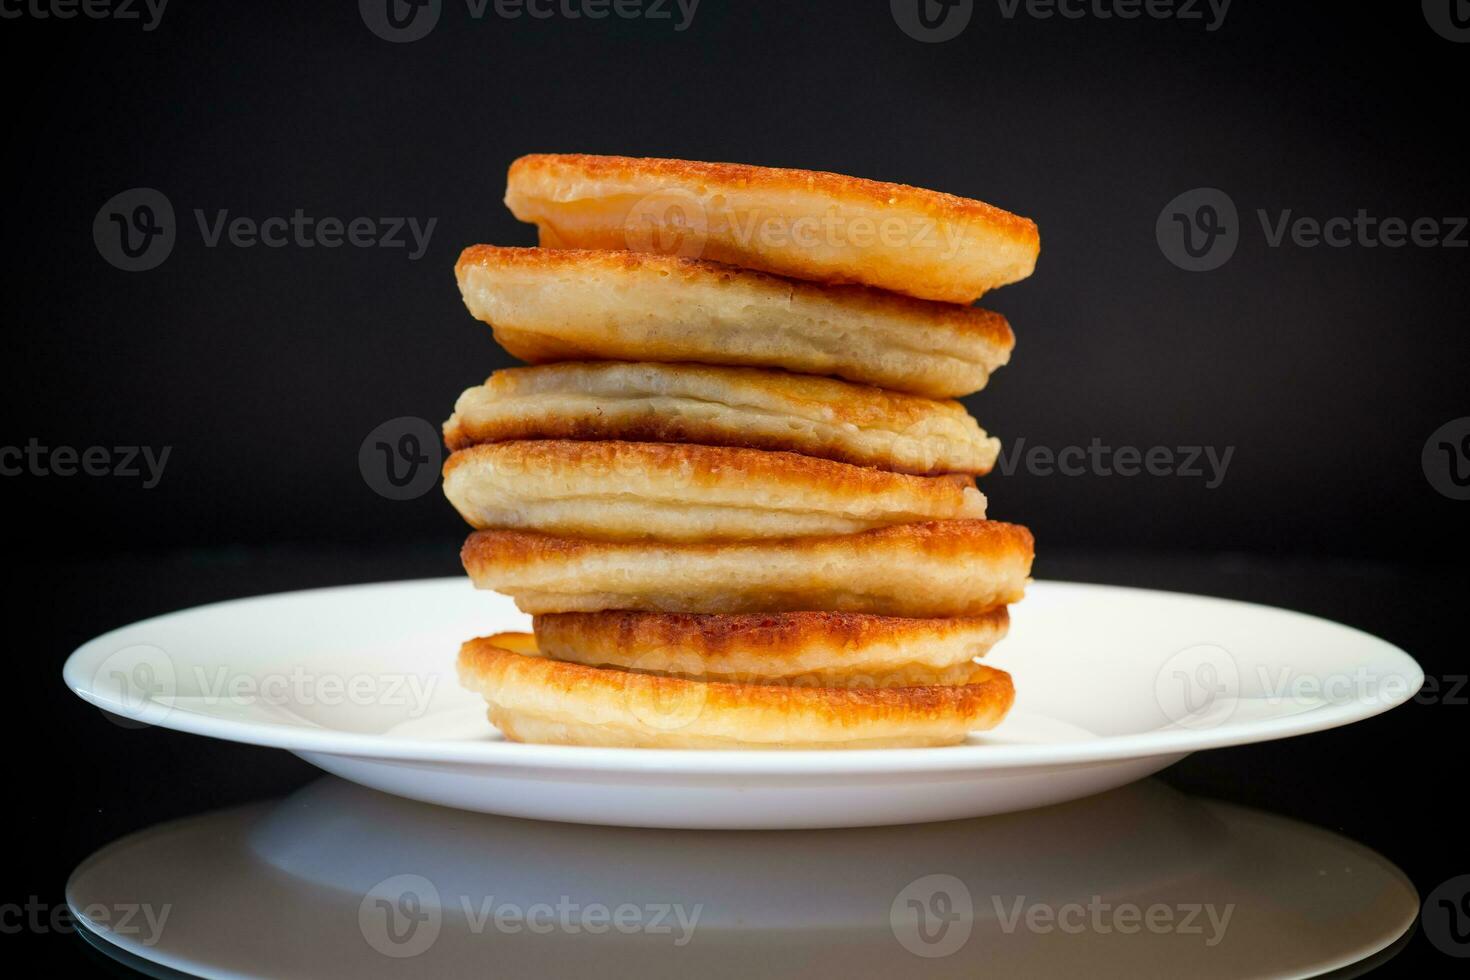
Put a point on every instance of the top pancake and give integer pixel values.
(571, 304)
(805, 224)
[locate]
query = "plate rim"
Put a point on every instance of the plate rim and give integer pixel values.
(754, 762)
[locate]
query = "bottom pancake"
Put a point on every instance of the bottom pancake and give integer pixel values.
(833, 649)
(533, 698)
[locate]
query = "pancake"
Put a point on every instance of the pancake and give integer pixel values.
(629, 490)
(941, 568)
(549, 305)
(724, 406)
(800, 223)
(830, 649)
(536, 699)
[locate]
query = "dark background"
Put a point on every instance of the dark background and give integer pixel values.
(263, 369)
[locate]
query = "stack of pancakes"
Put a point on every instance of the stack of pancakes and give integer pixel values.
(735, 491)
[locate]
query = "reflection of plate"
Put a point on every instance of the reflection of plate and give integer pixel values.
(1112, 684)
(342, 881)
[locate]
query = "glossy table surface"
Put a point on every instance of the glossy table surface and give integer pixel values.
(1320, 846)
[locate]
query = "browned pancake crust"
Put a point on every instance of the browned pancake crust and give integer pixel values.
(702, 466)
(1004, 245)
(632, 490)
(822, 647)
(972, 321)
(776, 635)
(933, 569)
(607, 305)
(723, 406)
(574, 704)
(778, 179)
(939, 539)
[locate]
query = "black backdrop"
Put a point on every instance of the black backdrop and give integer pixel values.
(262, 370)
(1326, 368)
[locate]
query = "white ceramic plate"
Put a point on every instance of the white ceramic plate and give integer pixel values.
(1112, 684)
